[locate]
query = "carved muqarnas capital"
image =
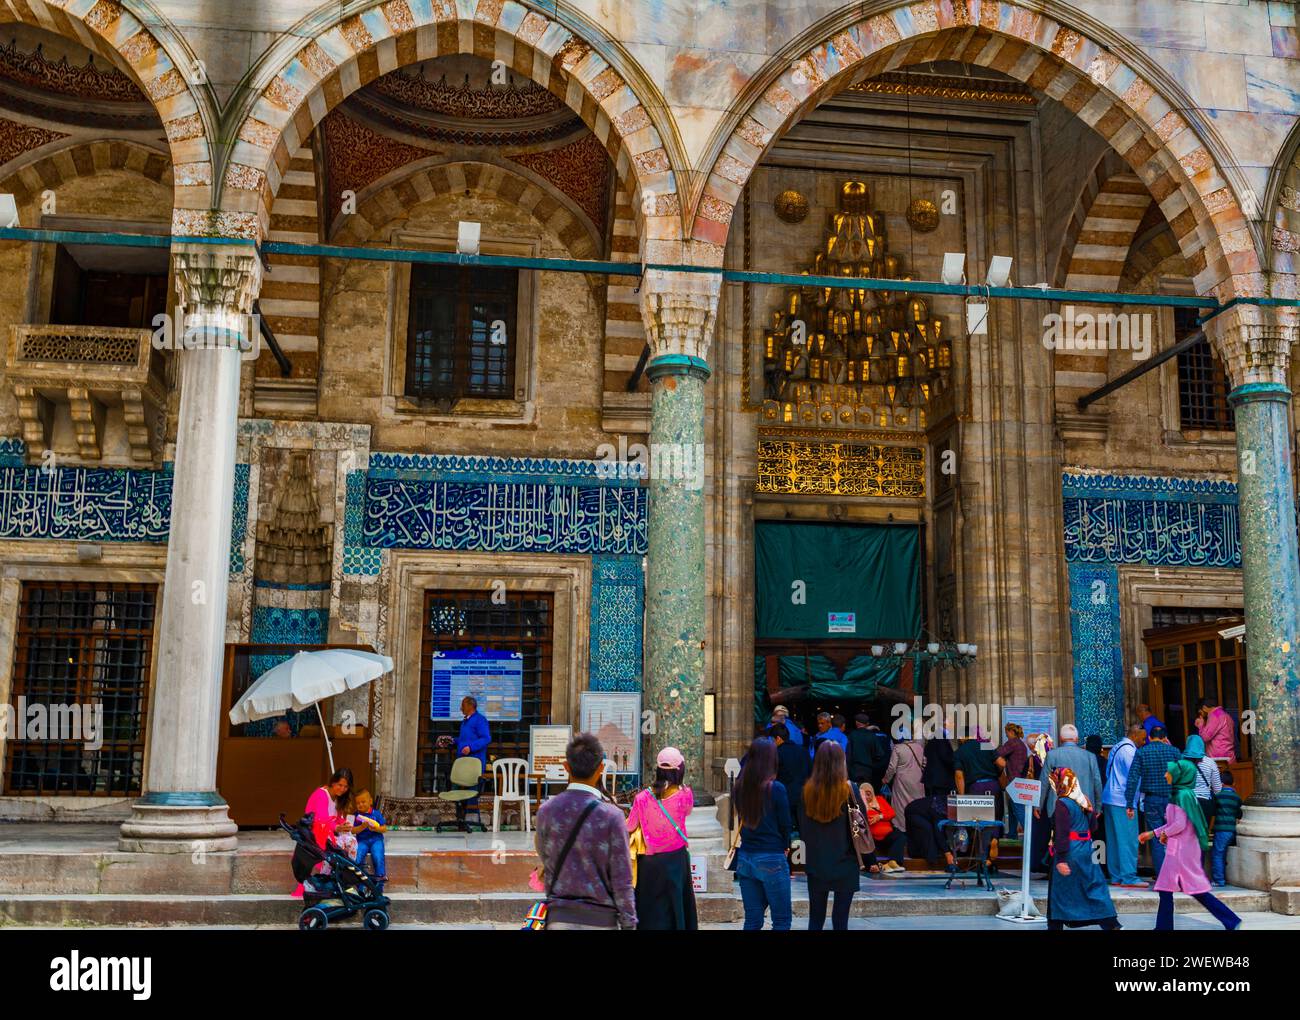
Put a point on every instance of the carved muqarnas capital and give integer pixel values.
(680, 311)
(216, 286)
(1256, 352)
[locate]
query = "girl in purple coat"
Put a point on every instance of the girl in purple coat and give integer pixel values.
(1185, 838)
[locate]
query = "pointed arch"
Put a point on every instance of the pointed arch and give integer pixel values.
(1120, 101)
(353, 50)
(183, 107)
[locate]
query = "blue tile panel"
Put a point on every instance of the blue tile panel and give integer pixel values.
(1131, 519)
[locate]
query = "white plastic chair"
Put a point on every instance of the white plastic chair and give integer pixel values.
(510, 778)
(609, 778)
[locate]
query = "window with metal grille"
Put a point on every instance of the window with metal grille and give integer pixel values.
(460, 620)
(1183, 616)
(460, 338)
(1202, 382)
(80, 645)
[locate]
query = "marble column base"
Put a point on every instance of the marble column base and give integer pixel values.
(155, 828)
(1267, 854)
(705, 831)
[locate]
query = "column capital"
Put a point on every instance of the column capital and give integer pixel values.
(216, 285)
(680, 310)
(1255, 346)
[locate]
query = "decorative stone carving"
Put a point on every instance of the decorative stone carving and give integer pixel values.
(293, 546)
(216, 285)
(1253, 350)
(679, 311)
(89, 369)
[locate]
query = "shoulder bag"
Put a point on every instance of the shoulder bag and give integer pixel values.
(537, 913)
(859, 831)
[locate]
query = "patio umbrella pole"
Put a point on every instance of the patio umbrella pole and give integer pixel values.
(328, 749)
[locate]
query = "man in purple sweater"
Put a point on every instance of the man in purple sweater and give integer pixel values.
(591, 887)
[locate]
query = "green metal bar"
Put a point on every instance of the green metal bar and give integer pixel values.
(633, 269)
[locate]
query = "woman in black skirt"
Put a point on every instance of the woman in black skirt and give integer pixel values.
(665, 899)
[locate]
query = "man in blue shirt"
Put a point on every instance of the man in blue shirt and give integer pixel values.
(826, 731)
(1149, 722)
(781, 716)
(474, 736)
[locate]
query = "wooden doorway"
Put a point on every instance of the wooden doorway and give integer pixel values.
(1193, 661)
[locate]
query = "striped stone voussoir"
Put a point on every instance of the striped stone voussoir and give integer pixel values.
(1107, 94)
(108, 28)
(396, 33)
(84, 159)
(394, 200)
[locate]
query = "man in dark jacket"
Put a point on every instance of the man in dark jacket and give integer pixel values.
(868, 753)
(792, 766)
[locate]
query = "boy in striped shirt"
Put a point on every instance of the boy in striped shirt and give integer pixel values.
(1227, 809)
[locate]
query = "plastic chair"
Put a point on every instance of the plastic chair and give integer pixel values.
(510, 780)
(465, 776)
(609, 778)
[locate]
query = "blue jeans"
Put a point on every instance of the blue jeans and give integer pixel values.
(375, 848)
(1017, 820)
(1222, 839)
(1165, 915)
(1121, 845)
(1154, 812)
(764, 884)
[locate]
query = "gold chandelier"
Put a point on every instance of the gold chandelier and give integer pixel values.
(838, 357)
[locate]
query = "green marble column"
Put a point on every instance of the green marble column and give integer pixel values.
(1271, 578)
(675, 569)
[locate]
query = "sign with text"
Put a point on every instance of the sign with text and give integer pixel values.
(546, 747)
(842, 623)
(1031, 718)
(495, 680)
(700, 872)
(1025, 791)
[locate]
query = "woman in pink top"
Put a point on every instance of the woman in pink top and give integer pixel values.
(1184, 837)
(327, 806)
(665, 898)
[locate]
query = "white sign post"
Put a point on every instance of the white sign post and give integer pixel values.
(1026, 792)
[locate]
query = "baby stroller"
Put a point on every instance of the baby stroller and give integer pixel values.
(338, 892)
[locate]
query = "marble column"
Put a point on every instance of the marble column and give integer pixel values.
(679, 310)
(181, 810)
(1258, 356)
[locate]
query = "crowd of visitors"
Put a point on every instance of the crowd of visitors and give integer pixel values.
(840, 802)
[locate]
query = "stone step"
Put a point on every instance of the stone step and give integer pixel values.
(503, 907)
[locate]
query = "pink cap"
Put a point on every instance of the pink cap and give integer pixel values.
(670, 758)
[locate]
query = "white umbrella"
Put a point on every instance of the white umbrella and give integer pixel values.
(306, 680)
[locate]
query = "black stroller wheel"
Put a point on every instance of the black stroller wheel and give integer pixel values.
(375, 920)
(313, 919)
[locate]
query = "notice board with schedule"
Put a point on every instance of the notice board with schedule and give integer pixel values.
(495, 680)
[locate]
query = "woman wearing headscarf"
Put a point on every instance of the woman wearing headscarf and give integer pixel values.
(891, 844)
(1077, 894)
(903, 776)
(1185, 838)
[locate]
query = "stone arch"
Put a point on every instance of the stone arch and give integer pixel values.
(386, 198)
(1284, 203)
(1101, 249)
(26, 180)
(355, 49)
(109, 27)
(1121, 103)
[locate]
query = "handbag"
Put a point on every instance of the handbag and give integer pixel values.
(733, 836)
(537, 913)
(859, 831)
(636, 846)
